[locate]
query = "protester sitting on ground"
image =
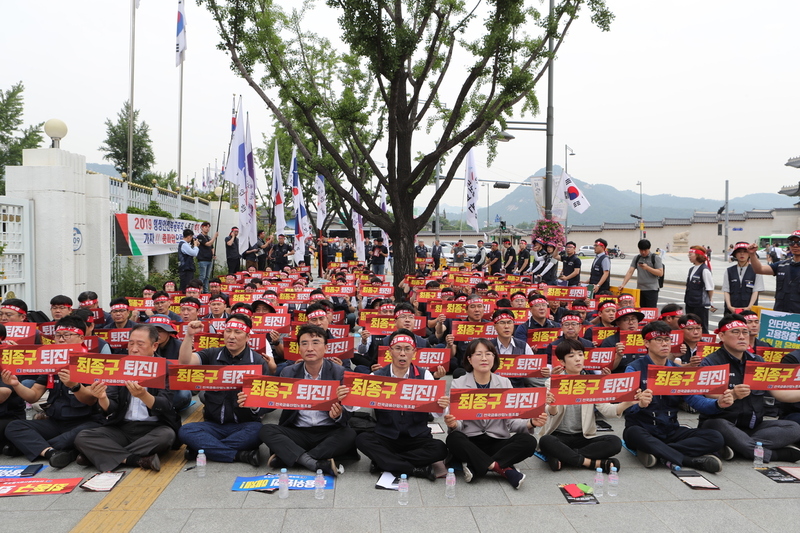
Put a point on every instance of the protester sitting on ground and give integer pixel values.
(485, 446)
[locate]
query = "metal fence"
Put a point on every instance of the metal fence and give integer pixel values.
(16, 261)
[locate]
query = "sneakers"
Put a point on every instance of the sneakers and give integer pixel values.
(60, 459)
(726, 453)
(707, 463)
(647, 459)
(513, 476)
(150, 462)
(467, 472)
(790, 454)
(424, 472)
(248, 456)
(329, 468)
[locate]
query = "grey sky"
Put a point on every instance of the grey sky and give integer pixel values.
(680, 95)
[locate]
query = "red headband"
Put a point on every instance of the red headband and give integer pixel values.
(159, 320)
(607, 303)
(316, 314)
(539, 301)
(579, 308)
(403, 338)
(503, 316)
(318, 296)
(679, 312)
(475, 301)
(76, 331)
(15, 309)
(88, 303)
(519, 297)
(235, 324)
(689, 322)
(655, 334)
(571, 318)
(402, 312)
(190, 304)
(117, 307)
(193, 291)
(244, 311)
(731, 325)
(162, 299)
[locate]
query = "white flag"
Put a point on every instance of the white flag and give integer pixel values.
(180, 41)
(277, 193)
(302, 226)
(234, 168)
(573, 195)
(322, 210)
(471, 183)
(358, 227)
(382, 199)
(248, 217)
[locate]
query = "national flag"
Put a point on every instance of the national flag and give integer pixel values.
(302, 225)
(471, 184)
(322, 208)
(236, 172)
(180, 42)
(358, 227)
(248, 216)
(382, 199)
(137, 4)
(569, 190)
(277, 193)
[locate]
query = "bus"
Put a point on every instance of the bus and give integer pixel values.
(781, 240)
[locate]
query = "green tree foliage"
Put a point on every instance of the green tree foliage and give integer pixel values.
(395, 78)
(116, 146)
(13, 138)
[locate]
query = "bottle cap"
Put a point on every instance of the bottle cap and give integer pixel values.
(319, 471)
(613, 468)
(450, 471)
(201, 451)
(758, 444)
(599, 470)
(283, 470)
(403, 476)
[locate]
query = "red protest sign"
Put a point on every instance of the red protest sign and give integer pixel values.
(32, 487)
(448, 309)
(771, 376)
(21, 332)
(210, 377)
(601, 334)
(599, 358)
(35, 359)
(772, 355)
(578, 389)
(633, 341)
(338, 331)
(116, 338)
(258, 342)
(116, 370)
(490, 404)
(682, 380)
(289, 393)
(427, 296)
(203, 341)
(292, 297)
(379, 324)
(394, 394)
(467, 331)
(215, 324)
(371, 291)
(539, 338)
(522, 366)
(705, 349)
(342, 291)
(675, 341)
(430, 358)
(48, 329)
(341, 348)
(566, 294)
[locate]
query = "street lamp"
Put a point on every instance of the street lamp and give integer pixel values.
(641, 220)
(567, 152)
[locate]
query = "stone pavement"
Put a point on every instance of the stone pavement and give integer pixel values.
(649, 500)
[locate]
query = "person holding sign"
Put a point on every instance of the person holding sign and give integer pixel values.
(311, 439)
(570, 435)
(485, 446)
(787, 275)
(651, 426)
(626, 319)
(70, 408)
(692, 334)
(402, 442)
(540, 310)
(230, 431)
(139, 422)
(743, 424)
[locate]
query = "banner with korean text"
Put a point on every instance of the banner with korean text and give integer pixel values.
(116, 370)
(671, 380)
(522, 366)
(577, 389)
(771, 376)
(33, 487)
(143, 235)
(289, 393)
(33, 359)
(430, 358)
(488, 404)
(210, 377)
(395, 394)
(779, 329)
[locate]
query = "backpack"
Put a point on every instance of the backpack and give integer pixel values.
(663, 271)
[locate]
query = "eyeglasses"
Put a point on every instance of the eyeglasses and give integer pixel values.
(402, 349)
(739, 332)
(59, 307)
(794, 243)
(661, 340)
(64, 336)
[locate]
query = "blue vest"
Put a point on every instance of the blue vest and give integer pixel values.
(396, 424)
(741, 291)
(597, 272)
(787, 288)
(695, 295)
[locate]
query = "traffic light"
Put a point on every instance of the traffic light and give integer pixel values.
(503, 225)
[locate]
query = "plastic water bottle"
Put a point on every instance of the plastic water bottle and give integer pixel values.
(402, 490)
(29, 412)
(319, 486)
(758, 455)
(613, 482)
(450, 484)
(283, 484)
(598, 483)
(200, 465)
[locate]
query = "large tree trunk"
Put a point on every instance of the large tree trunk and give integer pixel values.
(402, 234)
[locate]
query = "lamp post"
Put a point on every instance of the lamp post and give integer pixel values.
(567, 152)
(641, 220)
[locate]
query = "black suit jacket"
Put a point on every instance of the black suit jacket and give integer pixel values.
(330, 372)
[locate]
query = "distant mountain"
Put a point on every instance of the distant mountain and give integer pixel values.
(612, 205)
(108, 170)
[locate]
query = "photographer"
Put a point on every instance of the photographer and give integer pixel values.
(187, 251)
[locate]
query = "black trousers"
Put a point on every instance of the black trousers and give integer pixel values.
(108, 446)
(234, 265)
(185, 276)
(682, 443)
(31, 437)
(648, 298)
(572, 448)
(321, 442)
(482, 450)
(401, 455)
(4, 422)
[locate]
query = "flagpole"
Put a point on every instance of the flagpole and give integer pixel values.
(180, 125)
(225, 162)
(130, 109)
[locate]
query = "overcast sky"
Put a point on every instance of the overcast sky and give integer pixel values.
(680, 95)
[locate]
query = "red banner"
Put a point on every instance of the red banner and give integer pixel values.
(566, 294)
(578, 389)
(675, 341)
(448, 309)
(258, 342)
(341, 348)
(489, 404)
(288, 393)
(21, 332)
(427, 296)
(706, 348)
(522, 366)
(48, 329)
(116, 338)
(394, 394)
(291, 297)
(772, 355)
(207, 340)
(32, 487)
(430, 358)
(462, 280)
(539, 338)
(343, 291)
(771, 376)
(683, 380)
(599, 358)
(601, 334)
(243, 298)
(210, 377)
(116, 370)
(381, 291)
(633, 341)
(35, 359)
(650, 314)
(467, 331)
